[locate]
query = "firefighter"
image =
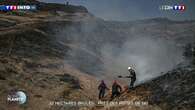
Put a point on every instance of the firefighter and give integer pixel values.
(132, 77)
(116, 89)
(102, 89)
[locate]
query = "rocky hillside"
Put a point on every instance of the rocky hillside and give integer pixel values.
(172, 91)
(56, 54)
(32, 60)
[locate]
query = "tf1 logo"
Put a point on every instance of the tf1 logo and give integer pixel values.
(173, 7)
(179, 7)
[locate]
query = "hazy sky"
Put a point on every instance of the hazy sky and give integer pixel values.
(125, 10)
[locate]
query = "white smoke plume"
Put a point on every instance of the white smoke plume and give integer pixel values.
(149, 57)
(93, 50)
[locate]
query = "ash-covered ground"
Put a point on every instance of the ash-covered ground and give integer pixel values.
(62, 55)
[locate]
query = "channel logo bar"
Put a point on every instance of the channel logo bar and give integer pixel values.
(173, 7)
(17, 7)
(179, 7)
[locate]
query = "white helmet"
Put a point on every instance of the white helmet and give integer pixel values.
(129, 68)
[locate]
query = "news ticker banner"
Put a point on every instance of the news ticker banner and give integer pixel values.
(18, 7)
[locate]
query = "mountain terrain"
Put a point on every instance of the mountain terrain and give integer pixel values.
(61, 52)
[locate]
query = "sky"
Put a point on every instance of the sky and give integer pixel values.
(127, 10)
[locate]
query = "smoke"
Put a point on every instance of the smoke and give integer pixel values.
(148, 57)
(98, 50)
(83, 40)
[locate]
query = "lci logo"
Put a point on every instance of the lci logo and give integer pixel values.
(174, 7)
(17, 97)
